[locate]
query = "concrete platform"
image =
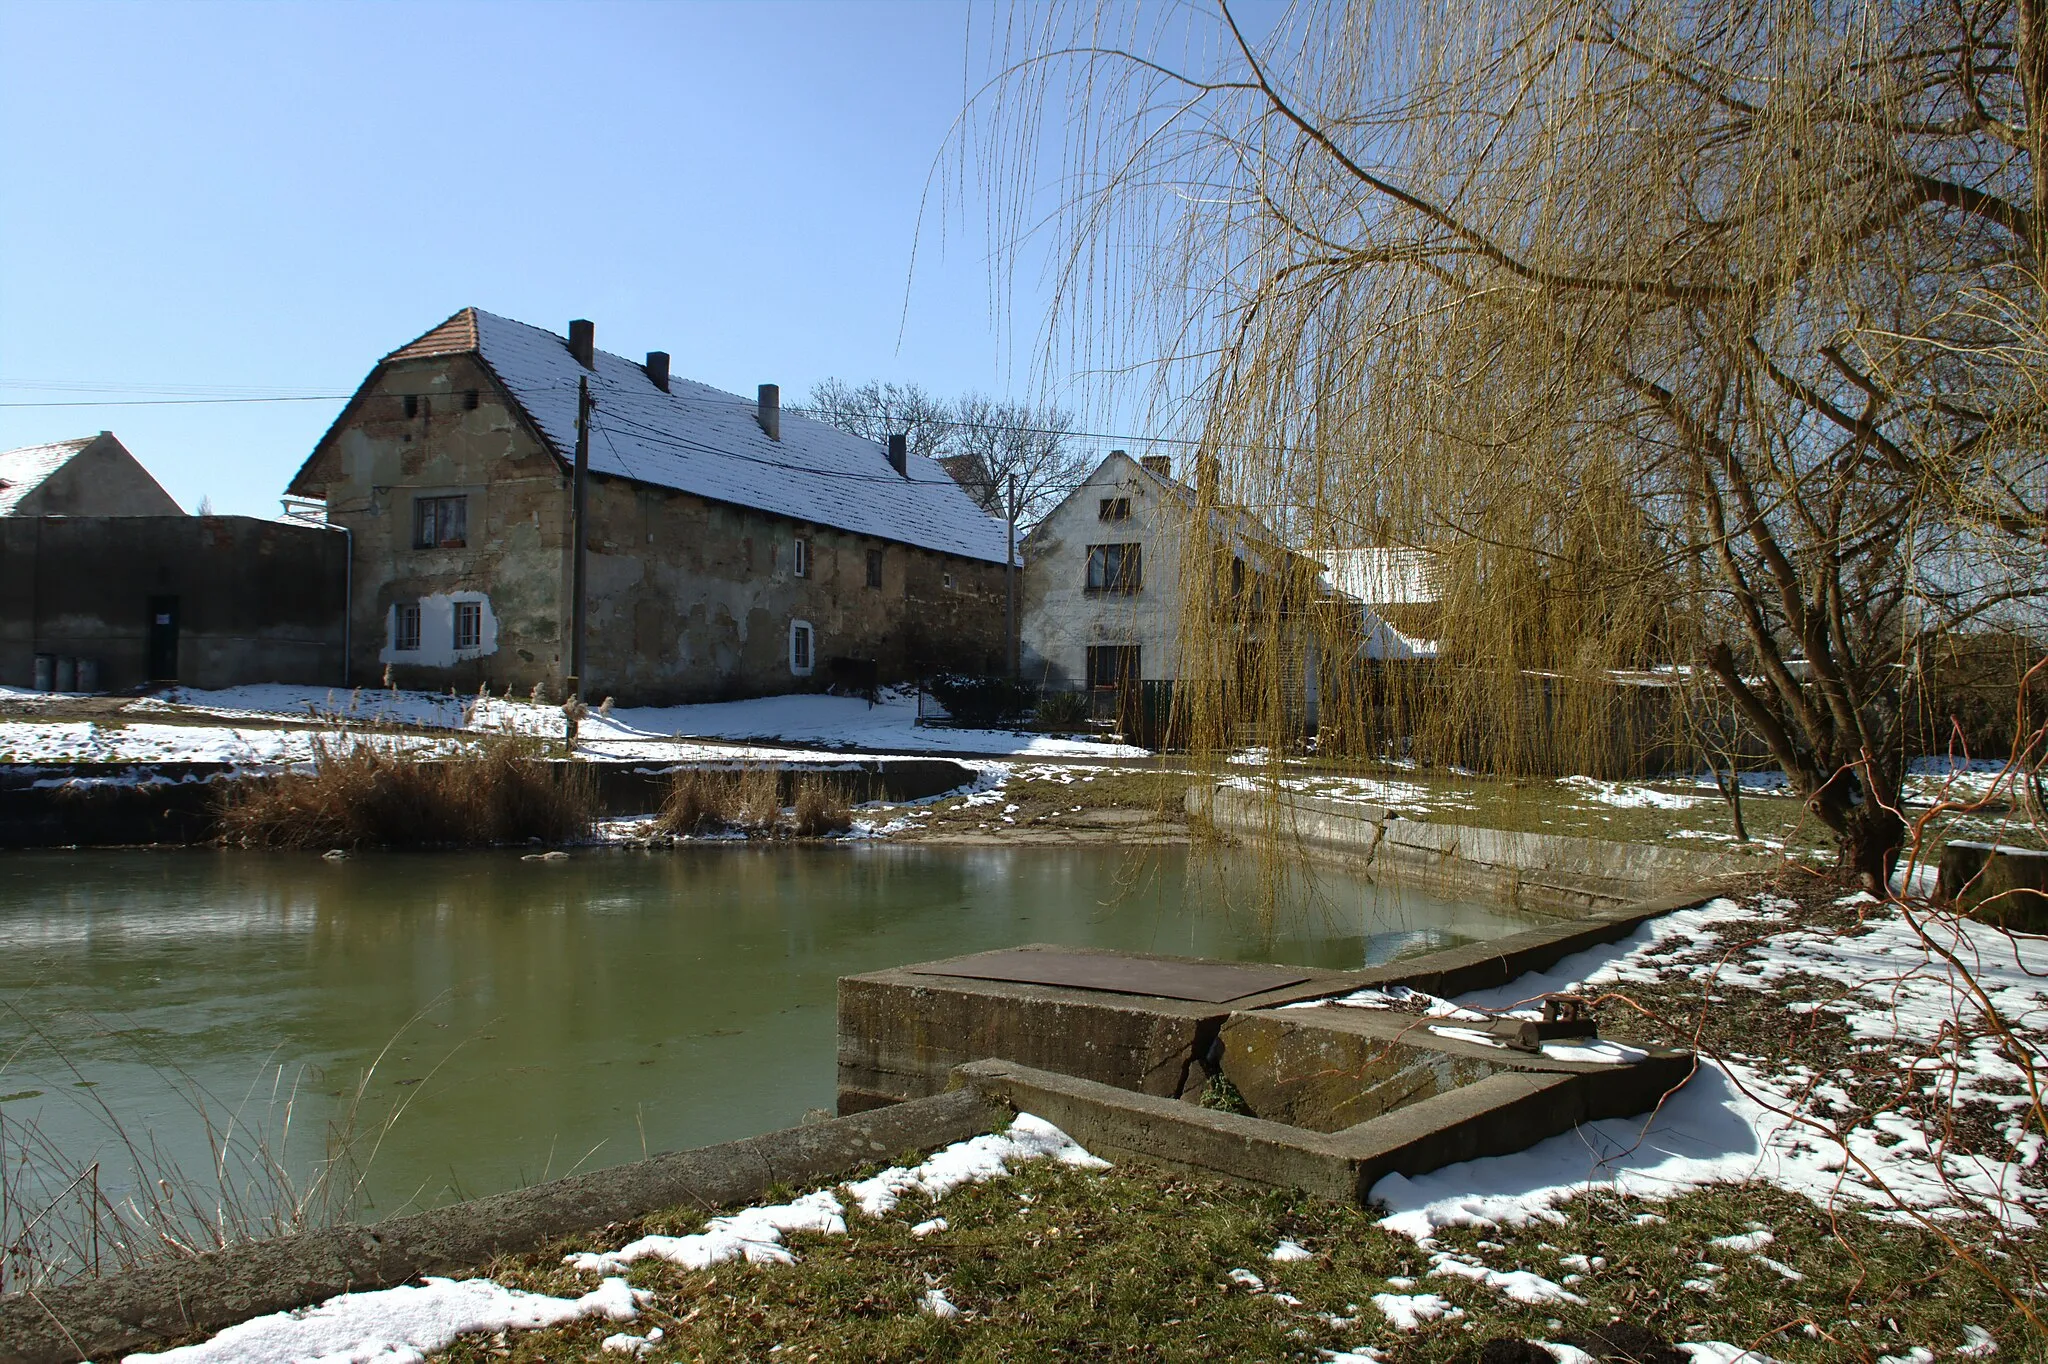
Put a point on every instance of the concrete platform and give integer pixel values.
(1119, 1049)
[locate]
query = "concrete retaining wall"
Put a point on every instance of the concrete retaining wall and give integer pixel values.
(126, 804)
(149, 1309)
(1543, 872)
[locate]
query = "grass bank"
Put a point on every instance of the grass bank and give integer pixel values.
(1138, 1263)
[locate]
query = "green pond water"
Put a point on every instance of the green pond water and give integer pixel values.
(535, 1018)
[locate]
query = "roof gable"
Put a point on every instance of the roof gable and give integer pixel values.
(701, 440)
(27, 469)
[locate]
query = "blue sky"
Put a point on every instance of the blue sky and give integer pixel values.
(267, 197)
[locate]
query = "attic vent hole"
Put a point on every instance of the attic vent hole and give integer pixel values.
(412, 405)
(470, 399)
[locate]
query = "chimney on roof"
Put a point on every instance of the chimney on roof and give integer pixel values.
(899, 453)
(657, 368)
(1161, 465)
(769, 413)
(583, 342)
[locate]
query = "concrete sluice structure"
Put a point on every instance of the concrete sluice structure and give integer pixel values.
(1120, 1049)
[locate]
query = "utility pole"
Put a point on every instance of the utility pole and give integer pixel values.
(1010, 590)
(579, 541)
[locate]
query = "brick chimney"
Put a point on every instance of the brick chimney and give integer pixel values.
(657, 368)
(899, 453)
(1161, 465)
(583, 342)
(769, 410)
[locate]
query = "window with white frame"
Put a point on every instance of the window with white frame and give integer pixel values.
(405, 626)
(469, 625)
(800, 557)
(802, 647)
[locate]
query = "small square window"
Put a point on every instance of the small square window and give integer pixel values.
(948, 579)
(470, 400)
(800, 647)
(1114, 509)
(440, 522)
(405, 627)
(469, 625)
(412, 405)
(874, 568)
(800, 558)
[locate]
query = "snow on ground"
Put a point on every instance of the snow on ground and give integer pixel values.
(82, 741)
(1624, 796)
(767, 729)
(1740, 1119)
(399, 1325)
(843, 722)
(404, 1325)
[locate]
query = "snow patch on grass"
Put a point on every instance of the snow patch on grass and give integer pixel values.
(399, 1325)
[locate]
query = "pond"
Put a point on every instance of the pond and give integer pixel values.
(529, 1018)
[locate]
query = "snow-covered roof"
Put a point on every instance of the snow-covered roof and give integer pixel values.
(23, 471)
(700, 440)
(1381, 576)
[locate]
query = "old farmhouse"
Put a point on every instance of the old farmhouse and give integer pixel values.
(733, 548)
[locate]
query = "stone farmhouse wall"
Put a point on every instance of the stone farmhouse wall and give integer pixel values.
(688, 599)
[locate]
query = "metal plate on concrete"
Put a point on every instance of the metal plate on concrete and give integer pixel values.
(1206, 982)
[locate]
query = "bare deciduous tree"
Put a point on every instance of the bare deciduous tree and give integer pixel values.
(1014, 459)
(877, 410)
(1684, 332)
(982, 442)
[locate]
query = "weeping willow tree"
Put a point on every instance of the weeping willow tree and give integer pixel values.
(1683, 335)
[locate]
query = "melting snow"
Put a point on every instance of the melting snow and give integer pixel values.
(399, 1325)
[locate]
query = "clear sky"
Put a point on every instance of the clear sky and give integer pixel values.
(265, 198)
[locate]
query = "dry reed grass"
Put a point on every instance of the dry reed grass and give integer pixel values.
(748, 800)
(68, 1213)
(362, 796)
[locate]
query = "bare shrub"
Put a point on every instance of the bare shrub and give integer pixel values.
(749, 800)
(362, 796)
(757, 800)
(821, 809)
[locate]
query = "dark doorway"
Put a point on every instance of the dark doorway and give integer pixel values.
(163, 639)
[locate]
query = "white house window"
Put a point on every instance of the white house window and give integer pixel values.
(405, 626)
(800, 647)
(800, 557)
(1115, 568)
(948, 578)
(469, 624)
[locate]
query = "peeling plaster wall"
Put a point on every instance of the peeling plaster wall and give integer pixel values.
(1058, 618)
(688, 600)
(693, 600)
(437, 632)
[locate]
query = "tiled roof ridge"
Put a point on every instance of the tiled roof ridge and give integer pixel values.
(456, 336)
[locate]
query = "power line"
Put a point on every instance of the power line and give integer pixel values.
(821, 414)
(189, 402)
